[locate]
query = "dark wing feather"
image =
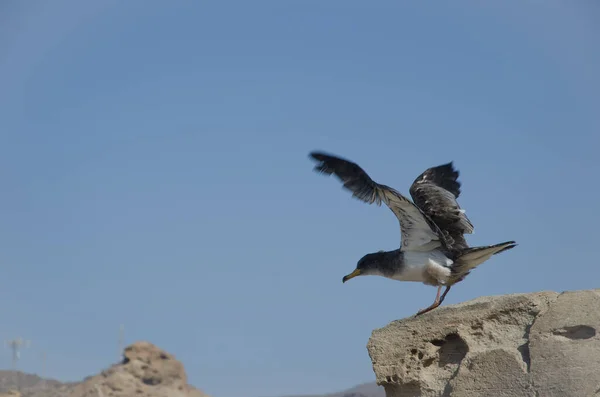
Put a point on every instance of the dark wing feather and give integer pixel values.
(417, 230)
(435, 192)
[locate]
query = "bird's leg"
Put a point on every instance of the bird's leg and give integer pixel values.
(438, 301)
(444, 294)
(435, 303)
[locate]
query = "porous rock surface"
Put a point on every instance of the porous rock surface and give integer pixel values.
(145, 371)
(540, 344)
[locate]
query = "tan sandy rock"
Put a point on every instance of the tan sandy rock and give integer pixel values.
(539, 344)
(145, 371)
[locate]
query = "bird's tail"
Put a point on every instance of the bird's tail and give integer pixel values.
(470, 258)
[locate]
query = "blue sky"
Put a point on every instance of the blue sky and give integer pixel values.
(154, 167)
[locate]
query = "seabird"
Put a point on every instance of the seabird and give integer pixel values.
(433, 248)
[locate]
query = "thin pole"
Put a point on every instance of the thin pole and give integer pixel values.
(15, 346)
(43, 370)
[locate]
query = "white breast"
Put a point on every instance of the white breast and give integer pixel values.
(425, 267)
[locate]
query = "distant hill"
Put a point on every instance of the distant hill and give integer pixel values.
(145, 371)
(363, 390)
(31, 385)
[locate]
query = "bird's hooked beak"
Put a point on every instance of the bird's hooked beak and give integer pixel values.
(355, 273)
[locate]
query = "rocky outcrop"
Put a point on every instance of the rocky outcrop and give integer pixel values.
(145, 370)
(539, 344)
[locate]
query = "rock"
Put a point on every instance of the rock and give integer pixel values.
(12, 393)
(539, 344)
(145, 370)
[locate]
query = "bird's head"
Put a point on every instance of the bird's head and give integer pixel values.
(368, 265)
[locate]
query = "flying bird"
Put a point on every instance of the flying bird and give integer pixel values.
(433, 249)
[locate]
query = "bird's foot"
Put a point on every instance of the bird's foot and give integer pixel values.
(438, 301)
(428, 309)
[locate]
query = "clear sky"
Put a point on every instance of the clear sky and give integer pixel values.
(154, 170)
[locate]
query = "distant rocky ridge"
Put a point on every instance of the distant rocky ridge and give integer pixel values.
(145, 371)
(30, 385)
(364, 390)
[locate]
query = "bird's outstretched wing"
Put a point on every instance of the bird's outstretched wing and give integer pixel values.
(417, 231)
(435, 192)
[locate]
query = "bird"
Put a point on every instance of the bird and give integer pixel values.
(433, 249)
